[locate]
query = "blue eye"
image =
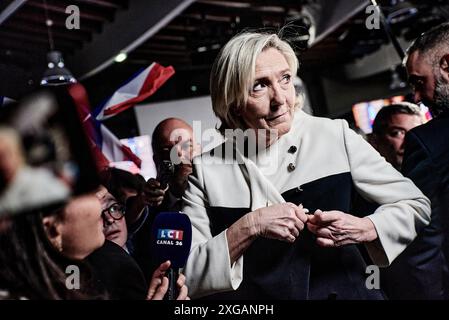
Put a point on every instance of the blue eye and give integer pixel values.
(286, 78)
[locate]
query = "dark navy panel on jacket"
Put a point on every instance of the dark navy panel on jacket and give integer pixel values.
(290, 271)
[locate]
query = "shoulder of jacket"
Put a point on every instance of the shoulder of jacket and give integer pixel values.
(322, 124)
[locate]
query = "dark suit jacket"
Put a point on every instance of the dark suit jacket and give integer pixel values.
(116, 271)
(420, 272)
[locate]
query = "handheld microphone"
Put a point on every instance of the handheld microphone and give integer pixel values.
(171, 238)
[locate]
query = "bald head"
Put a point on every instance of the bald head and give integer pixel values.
(171, 132)
(166, 130)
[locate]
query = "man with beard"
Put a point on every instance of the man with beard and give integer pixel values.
(420, 272)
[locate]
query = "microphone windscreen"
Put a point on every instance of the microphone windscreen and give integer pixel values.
(171, 238)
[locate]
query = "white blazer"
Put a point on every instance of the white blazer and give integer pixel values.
(324, 149)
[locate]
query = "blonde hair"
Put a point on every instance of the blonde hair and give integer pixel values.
(233, 73)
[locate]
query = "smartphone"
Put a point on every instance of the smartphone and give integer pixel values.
(165, 173)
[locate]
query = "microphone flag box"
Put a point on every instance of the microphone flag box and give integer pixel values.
(171, 238)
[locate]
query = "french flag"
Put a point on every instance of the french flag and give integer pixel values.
(106, 147)
(113, 149)
(142, 85)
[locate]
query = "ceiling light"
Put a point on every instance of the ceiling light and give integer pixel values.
(122, 56)
(56, 73)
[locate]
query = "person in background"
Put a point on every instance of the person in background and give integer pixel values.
(123, 185)
(173, 147)
(417, 272)
(114, 269)
(426, 163)
(389, 129)
(39, 246)
(172, 143)
(44, 231)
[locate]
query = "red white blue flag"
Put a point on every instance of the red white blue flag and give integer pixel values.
(138, 88)
(105, 145)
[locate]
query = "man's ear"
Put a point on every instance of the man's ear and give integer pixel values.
(53, 230)
(444, 67)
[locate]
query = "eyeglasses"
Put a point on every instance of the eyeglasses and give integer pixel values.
(115, 210)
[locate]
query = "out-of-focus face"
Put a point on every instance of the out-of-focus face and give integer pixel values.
(115, 230)
(391, 143)
(81, 227)
(272, 97)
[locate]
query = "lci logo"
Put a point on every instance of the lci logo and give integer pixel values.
(169, 234)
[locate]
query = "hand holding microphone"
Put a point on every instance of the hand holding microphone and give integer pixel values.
(160, 283)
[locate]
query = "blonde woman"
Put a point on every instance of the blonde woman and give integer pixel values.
(270, 217)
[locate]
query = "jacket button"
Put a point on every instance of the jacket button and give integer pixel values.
(292, 149)
(291, 167)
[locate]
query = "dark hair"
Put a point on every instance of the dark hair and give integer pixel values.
(436, 37)
(31, 268)
(115, 180)
(380, 123)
